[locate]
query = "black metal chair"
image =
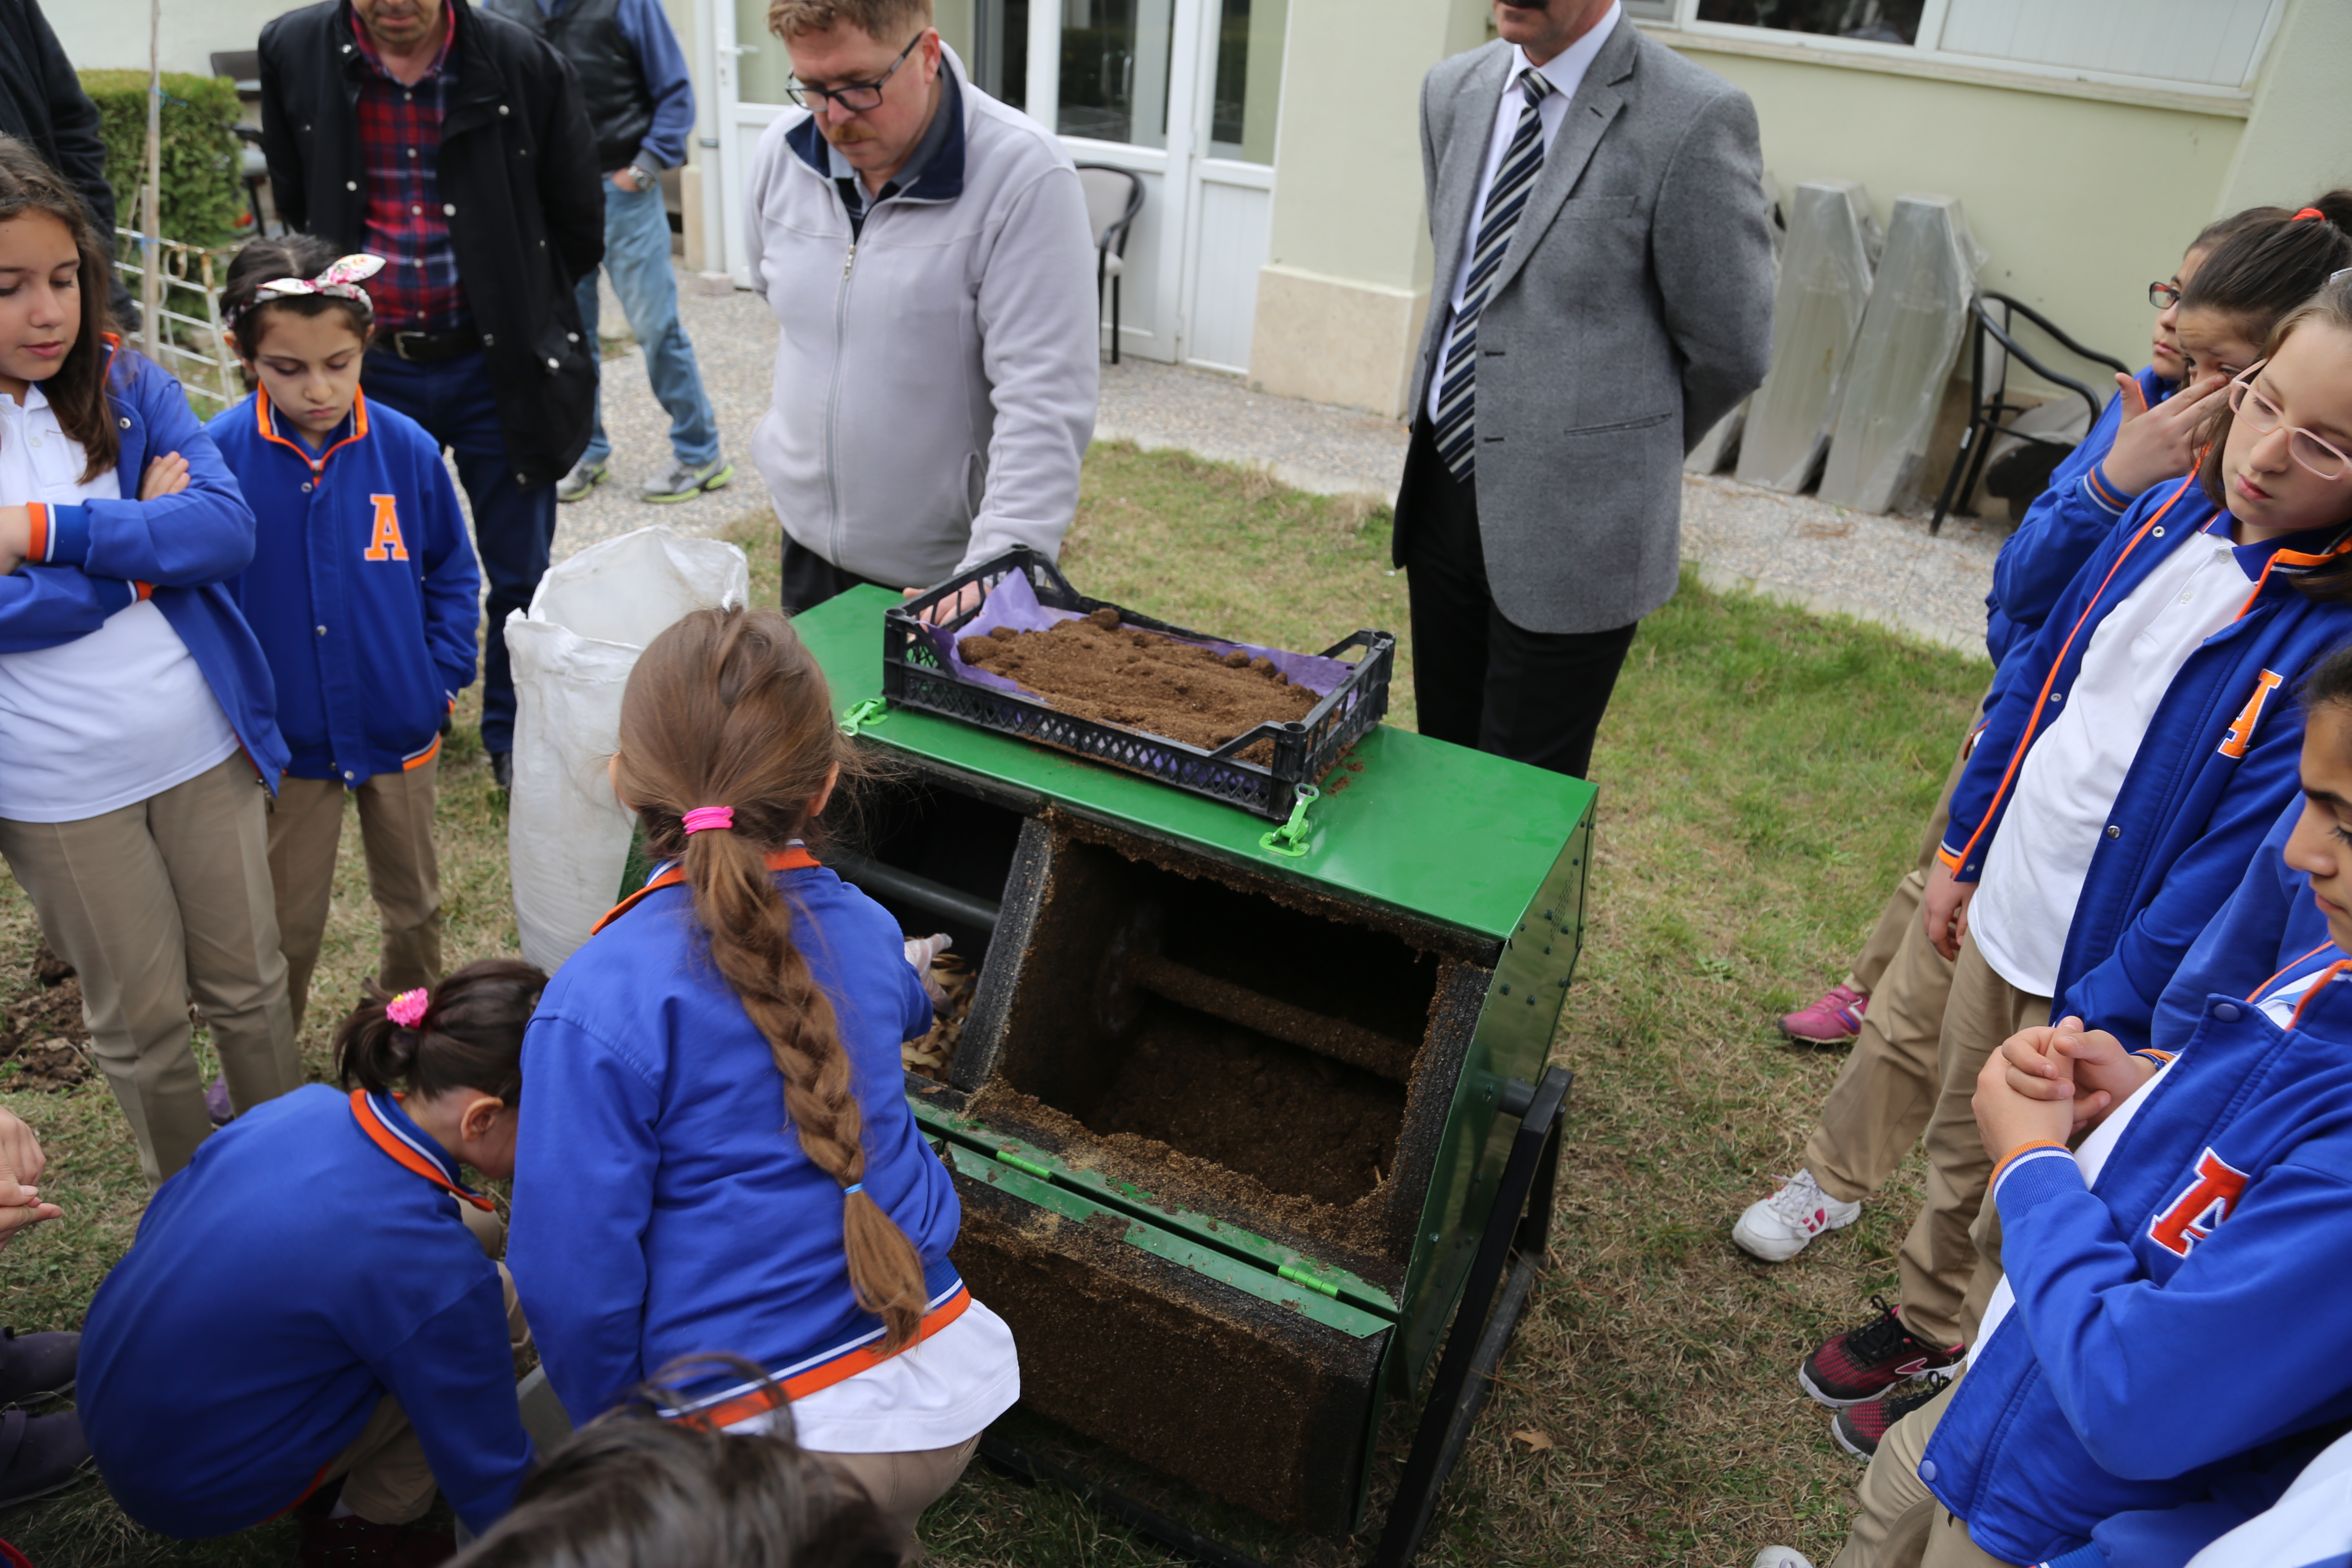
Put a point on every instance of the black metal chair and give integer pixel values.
(1991, 416)
(243, 66)
(1113, 198)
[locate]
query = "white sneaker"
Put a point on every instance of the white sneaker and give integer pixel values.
(1777, 1228)
(1782, 1557)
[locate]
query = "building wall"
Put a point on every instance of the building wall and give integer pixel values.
(112, 34)
(2078, 194)
(1346, 284)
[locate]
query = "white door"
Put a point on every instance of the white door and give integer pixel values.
(1182, 93)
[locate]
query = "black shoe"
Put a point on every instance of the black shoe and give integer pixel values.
(35, 1366)
(1860, 1428)
(39, 1455)
(351, 1539)
(503, 770)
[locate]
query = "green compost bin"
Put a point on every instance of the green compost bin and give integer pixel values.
(1226, 1124)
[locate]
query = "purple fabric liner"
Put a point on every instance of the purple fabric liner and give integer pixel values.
(1013, 602)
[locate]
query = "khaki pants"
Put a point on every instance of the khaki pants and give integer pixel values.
(396, 830)
(1939, 1258)
(155, 903)
(903, 1485)
(1902, 912)
(1881, 1101)
(385, 1478)
(1899, 1523)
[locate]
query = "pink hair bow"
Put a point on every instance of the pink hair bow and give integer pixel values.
(407, 1009)
(342, 279)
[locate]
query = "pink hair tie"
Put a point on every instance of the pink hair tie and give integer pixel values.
(407, 1009)
(703, 817)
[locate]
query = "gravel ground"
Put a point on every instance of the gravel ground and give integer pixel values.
(1793, 548)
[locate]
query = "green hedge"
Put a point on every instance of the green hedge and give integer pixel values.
(201, 198)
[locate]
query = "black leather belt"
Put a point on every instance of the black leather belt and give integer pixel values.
(425, 348)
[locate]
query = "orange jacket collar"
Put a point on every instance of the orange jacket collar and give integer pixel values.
(792, 860)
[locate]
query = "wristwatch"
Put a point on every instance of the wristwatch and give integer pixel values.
(646, 178)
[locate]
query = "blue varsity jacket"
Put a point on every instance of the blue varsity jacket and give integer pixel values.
(2070, 519)
(2170, 1331)
(363, 591)
(662, 1205)
(307, 1262)
(92, 560)
(2218, 761)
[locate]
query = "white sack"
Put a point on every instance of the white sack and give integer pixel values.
(567, 838)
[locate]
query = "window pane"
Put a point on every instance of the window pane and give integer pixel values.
(1873, 21)
(1249, 80)
(999, 60)
(763, 72)
(1115, 56)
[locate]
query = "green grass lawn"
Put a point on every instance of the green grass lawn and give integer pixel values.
(1763, 778)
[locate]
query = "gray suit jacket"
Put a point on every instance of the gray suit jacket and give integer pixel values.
(1632, 311)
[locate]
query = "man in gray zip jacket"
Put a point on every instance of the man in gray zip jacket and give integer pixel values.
(926, 252)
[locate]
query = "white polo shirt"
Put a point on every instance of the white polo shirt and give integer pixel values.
(2034, 873)
(113, 717)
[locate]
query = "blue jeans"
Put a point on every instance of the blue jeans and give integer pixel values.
(514, 528)
(636, 253)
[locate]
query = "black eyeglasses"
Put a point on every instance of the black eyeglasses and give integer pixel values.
(2163, 296)
(857, 97)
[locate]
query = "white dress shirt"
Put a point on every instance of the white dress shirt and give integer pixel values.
(1565, 71)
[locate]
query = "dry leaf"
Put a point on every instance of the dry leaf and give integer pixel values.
(1537, 1442)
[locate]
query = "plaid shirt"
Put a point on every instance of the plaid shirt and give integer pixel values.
(400, 157)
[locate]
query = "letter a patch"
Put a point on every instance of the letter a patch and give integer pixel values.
(2199, 1212)
(385, 543)
(2241, 728)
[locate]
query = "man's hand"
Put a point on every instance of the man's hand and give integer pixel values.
(2087, 1068)
(1944, 909)
(167, 476)
(19, 1150)
(2006, 1121)
(2157, 444)
(967, 597)
(625, 178)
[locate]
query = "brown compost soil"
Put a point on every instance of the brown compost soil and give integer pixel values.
(934, 1055)
(42, 1032)
(1299, 1124)
(1097, 669)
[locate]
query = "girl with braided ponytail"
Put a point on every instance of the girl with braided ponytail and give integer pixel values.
(719, 1158)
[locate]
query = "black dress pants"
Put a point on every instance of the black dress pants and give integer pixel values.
(810, 579)
(1480, 680)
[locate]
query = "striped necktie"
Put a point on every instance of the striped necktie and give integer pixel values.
(1522, 160)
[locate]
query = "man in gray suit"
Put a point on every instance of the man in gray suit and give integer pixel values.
(1604, 295)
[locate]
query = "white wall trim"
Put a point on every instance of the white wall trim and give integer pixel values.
(2021, 77)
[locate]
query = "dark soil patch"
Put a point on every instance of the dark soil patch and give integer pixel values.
(1099, 669)
(1300, 1123)
(43, 1040)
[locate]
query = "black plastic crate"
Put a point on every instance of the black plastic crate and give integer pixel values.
(915, 675)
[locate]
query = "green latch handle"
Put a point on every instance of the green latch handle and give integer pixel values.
(863, 716)
(1290, 838)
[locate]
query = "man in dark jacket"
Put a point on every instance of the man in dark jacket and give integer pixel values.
(42, 103)
(455, 145)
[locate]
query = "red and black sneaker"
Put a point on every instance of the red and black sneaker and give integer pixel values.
(1862, 1363)
(1859, 1428)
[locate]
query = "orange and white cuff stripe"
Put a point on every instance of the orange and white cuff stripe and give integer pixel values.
(2021, 1154)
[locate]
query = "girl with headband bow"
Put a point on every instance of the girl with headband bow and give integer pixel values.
(719, 1153)
(364, 592)
(134, 705)
(312, 1319)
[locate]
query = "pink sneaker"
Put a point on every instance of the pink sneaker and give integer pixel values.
(1834, 1020)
